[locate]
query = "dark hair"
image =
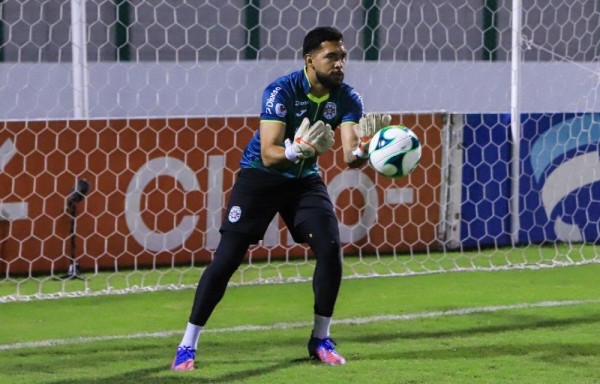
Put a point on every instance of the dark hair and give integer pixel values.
(315, 37)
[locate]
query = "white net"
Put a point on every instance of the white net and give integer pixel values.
(560, 167)
(151, 103)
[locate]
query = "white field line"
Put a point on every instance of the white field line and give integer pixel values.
(248, 328)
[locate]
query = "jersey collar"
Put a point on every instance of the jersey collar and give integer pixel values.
(305, 82)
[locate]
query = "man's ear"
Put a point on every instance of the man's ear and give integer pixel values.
(308, 61)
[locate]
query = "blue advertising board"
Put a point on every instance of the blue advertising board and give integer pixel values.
(559, 186)
(485, 218)
(560, 178)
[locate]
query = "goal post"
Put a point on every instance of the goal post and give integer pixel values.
(152, 103)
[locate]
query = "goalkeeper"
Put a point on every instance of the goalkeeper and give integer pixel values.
(279, 174)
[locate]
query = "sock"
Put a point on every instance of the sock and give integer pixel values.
(321, 327)
(191, 336)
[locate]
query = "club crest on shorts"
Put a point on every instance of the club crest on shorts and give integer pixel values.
(234, 214)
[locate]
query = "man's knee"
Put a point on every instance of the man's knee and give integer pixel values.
(229, 253)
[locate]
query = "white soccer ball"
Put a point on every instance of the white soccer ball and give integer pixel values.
(394, 151)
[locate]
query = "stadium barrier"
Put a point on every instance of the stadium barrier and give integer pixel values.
(158, 189)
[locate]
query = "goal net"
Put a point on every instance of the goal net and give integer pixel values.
(122, 125)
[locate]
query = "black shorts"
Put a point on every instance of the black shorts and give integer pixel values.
(258, 195)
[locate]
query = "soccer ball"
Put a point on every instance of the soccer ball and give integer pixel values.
(394, 151)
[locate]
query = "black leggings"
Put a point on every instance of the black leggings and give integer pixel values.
(322, 235)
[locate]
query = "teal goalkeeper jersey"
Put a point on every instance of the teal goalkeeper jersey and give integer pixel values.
(286, 100)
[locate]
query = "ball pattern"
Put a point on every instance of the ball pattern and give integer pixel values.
(394, 151)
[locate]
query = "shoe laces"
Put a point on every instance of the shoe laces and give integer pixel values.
(327, 343)
(188, 352)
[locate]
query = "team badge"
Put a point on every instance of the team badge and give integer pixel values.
(280, 110)
(234, 214)
(330, 110)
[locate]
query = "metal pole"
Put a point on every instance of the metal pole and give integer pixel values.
(79, 62)
(252, 29)
(490, 30)
(122, 30)
(515, 114)
(371, 29)
(1, 31)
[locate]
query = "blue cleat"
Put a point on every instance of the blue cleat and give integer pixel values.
(184, 359)
(324, 351)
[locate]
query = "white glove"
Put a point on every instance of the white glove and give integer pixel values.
(309, 141)
(368, 126)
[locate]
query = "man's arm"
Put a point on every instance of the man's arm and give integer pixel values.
(350, 141)
(356, 137)
(309, 141)
(272, 134)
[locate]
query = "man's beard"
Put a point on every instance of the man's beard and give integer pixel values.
(329, 81)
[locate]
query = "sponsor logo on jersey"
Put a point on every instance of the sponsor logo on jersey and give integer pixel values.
(234, 214)
(271, 100)
(301, 112)
(330, 110)
(280, 110)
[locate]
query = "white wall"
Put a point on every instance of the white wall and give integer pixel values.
(44, 91)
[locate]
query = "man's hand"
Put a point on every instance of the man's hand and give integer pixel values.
(309, 141)
(368, 126)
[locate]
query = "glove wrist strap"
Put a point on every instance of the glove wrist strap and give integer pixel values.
(290, 154)
(359, 152)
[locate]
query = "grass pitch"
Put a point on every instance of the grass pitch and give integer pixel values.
(519, 326)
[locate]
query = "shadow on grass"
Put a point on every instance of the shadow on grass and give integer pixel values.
(564, 353)
(101, 355)
(523, 323)
(160, 375)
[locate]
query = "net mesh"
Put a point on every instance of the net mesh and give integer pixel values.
(152, 102)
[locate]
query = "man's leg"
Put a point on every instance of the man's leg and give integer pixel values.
(324, 240)
(209, 292)
(211, 288)
(322, 235)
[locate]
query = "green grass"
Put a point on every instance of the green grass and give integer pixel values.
(301, 269)
(535, 344)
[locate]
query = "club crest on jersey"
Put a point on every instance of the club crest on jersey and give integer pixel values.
(330, 110)
(280, 110)
(234, 214)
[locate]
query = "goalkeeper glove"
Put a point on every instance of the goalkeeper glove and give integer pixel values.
(368, 126)
(309, 141)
